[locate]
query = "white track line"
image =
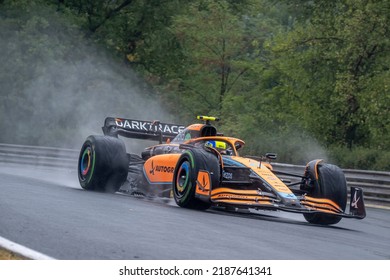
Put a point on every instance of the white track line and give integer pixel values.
(22, 251)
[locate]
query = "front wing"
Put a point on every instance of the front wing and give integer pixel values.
(299, 204)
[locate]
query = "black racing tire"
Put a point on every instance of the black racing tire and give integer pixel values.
(186, 173)
(331, 184)
(103, 164)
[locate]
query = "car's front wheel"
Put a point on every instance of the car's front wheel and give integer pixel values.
(326, 181)
(186, 174)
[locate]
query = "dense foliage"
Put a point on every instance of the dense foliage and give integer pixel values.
(305, 79)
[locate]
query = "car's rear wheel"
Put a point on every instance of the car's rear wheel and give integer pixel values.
(186, 174)
(326, 181)
(103, 164)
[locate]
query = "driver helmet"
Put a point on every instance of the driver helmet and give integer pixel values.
(221, 146)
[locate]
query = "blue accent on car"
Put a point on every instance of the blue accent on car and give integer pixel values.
(230, 162)
(288, 195)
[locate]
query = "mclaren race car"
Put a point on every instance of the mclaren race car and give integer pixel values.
(201, 168)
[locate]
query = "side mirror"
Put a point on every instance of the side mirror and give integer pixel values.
(271, 156)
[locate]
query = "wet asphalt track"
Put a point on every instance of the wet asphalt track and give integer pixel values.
(46, 210)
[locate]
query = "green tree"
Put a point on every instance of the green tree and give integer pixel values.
(288, 76)
(211, 38)
(96, 12)
(138, 31)
(325, 62)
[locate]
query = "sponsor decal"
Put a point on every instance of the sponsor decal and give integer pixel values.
(161, 168)
(152, 170)
(203, 185)
(227, 175)
(203, 181)
(355, 201)
(166, 169)
(271, 178)
(234, 196)
(149, 126)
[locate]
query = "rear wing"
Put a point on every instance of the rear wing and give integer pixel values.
(147, 130)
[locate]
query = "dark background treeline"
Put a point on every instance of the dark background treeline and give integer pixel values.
(304, 79)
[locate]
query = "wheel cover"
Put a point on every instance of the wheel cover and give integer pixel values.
(87, 164)
(182, 179)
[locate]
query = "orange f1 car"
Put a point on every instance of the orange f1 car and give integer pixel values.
(202, 168)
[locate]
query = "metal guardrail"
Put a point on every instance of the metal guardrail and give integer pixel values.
(375, 184)
(41, 156)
